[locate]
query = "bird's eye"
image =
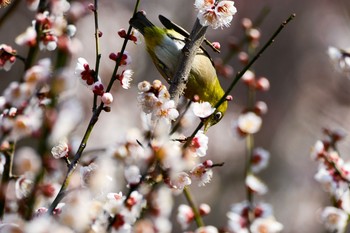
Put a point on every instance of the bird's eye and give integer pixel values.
(218, 116)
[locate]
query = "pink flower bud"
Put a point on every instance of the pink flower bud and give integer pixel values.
(243, 58)
(247, 23)
(122, 33)
(216, 45)
(204, 209)
(263, 84)
(107, 98)
(260, 108)
(91, 7)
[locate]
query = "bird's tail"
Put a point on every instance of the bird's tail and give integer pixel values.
(140, 22)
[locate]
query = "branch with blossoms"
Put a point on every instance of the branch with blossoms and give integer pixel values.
(333, 172)
(333, 175)
(130, 185)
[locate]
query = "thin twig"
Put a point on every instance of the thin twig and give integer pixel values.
(89, 129)
(257, 22)
(197, 216)
(97, 48)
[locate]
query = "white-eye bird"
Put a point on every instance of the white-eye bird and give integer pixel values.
(165, 45)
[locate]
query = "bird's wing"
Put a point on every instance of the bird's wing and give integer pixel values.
(171, 25)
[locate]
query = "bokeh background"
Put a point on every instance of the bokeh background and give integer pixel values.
(306, 95)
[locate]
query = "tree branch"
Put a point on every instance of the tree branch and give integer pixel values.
(178, 84)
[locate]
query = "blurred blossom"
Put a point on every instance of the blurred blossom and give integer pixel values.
(33, 4)
(27, 160)
(262, 214)
(161, 202)
(184, 216)
(5, 3)
(334, 219)
(248, 77)
(317, 150)
(104, 179)
(259, 160)
(39, 73)
(76, 214)
(266, 225)
(59, 7)
(27, 38)
(24, 124)
(70, 114)
(45, 224)
(7, 57)
(48, 39)
(340, 59)
(207, 229)
(202, 110)
(114, 203)
(255, 185)
(263, 84)
(236, 223)
(180, 180)
(132, 175)
(249, 122)
(260, 108)
(61, 150)
(215, 14)
(23, 187)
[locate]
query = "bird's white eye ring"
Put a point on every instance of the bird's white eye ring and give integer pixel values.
(218, 115)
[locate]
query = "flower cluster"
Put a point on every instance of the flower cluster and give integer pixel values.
(333, 174)
(215, 13)
(7, 57)
(50, 29)
(262, 214)
(90, 79)
(155, 100)
(21, 103)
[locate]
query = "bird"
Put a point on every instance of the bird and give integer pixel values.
(164, 45)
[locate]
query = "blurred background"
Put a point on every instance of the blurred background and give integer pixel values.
(306, 95)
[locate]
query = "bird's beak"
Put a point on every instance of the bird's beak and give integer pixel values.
(207, 124)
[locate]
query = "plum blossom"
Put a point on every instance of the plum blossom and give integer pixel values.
(184, 216)
(259, 160)
(256, 185)
(61, 150)
(215, 14)
(249, 122)
(203, 109)
(125, 78)
(7, 57)
(200, 144)
(334, 219)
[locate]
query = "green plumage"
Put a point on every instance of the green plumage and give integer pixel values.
(164, 46)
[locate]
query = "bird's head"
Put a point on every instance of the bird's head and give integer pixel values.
(215, 117)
